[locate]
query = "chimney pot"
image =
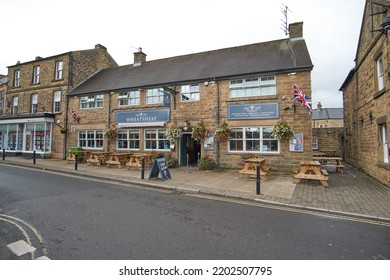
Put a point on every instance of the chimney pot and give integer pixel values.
(139, 57)
(319, 106)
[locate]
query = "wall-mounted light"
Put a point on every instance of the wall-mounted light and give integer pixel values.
(386, 24)
(370, 116)
(361, 120)
(186, 125)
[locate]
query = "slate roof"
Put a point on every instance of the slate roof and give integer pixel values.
(3, 79)
(268, 57)
(327, 113)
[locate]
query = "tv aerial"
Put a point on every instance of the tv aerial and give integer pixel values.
(284, 9)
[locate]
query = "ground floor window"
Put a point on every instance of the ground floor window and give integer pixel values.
(253, 139)
(155, 140)
(383, 143)
(90, 139)
(26, 137)
(128, 139)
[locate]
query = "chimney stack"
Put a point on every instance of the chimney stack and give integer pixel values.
(319, 106)
(139, 57)
(296, 30)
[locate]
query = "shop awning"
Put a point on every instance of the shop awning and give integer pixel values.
(146, 124)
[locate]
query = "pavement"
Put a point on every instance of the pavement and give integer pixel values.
(353, 194)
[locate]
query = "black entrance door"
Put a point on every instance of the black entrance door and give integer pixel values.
(190, 148)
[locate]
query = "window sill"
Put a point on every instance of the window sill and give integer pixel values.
(380, 93)
(384, 165)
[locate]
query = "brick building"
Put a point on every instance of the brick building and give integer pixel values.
(367, 97)
(35, 102)
(250, 87)
(3, 90)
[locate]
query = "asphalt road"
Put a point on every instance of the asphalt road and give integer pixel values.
(74, 218)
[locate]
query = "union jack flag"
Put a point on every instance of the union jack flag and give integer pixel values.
(302, 98)
(74, 115)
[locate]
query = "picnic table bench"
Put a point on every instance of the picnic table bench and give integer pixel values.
(311, 170)
(250, 167)
(331, 162)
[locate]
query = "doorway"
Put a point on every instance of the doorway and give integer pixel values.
(189, 147)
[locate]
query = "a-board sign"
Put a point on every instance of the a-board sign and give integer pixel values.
(160, 165)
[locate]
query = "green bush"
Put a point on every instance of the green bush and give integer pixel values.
(206, 164)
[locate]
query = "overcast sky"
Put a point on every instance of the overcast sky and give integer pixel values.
(165, 28)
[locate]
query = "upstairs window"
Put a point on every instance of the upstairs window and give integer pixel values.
(57, 102)
(58, 70)
(262, 86)
(15, 102)
(34, 103)
(379, 70)
(154, 96)
(129, 98)
(91, 101)
(17, 78)
(35, 78)
(189, 93)
(1, 102)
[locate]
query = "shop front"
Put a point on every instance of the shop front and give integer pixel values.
(22, 135)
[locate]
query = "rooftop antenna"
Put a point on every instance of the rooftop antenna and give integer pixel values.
(139, 49)
(284, 9)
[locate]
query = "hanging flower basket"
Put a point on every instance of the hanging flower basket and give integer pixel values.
(173, 133)
(223, 132)
(63, 130)
(199, 132)
(111, 133)
(282, 130)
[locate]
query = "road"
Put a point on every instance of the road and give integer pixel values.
(74, 218)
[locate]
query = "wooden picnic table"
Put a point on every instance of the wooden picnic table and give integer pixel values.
(117, 158)
(329, 153)
(72, 155)
(331, 162)
(98, 158)
(135, 160)
(250, 167)
(311, 170)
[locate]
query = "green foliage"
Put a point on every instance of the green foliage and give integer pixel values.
(206, 163)
(282, 130)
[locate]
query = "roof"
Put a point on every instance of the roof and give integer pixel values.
(268, 57)
(327, 113)
(3, 79)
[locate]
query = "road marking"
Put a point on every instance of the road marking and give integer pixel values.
(21, 248)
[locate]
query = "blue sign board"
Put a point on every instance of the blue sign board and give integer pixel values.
(253, 111)
(143, 116)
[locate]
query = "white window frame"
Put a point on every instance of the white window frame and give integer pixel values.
(17, 78)
(91, 101)
(380, 76)
(189, 93)
(155, 96)
(15, 105)
(58, 70)
(57, 101)
(36, 72)
(90, 139)
(128, 139)
(250, 87)
(314, 144)
(129, 98)
(34, 103)
(262, 140)
(159, 140)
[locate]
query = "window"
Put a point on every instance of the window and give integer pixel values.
(263, 86)
(34, 103)
(57, 101)
(154, 96)
(189, 93)
(92, 101)
(253, 139)
(17, 78)
(155, 140)
(314, 144)
(128, 139)
(1, 103)
(35, 78)
(15, 101)
(91, 139)
(129, 98)
(379, 69)
(383, 142)
(58, 70)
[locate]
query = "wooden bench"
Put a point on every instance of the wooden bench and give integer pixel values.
(311, 170)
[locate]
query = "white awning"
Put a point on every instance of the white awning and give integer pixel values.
(149, 124)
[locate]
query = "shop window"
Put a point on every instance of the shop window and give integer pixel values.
(91, 101)
(90, 139)
(155, 140)
(57, 102)
(58, 70)
(189, 93)
(129, 98)
(253, 139)
(262, 86)
(128, 139)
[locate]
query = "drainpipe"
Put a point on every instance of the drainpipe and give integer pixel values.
(217, 120)
(70, 81)
(109, 118)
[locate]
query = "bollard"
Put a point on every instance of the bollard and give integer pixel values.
(3, 154)
(75, 161)
(258, 179)
(34, 157)
(143, 168)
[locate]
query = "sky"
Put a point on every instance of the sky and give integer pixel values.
(331, 28)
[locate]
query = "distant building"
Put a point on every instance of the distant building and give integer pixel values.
(366, 92)
(3, 90)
